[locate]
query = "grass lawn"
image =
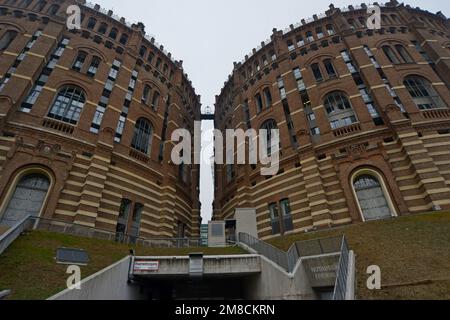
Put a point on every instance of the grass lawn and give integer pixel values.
(29, 269)
(413, 253)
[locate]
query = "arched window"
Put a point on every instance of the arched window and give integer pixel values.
(372, 198)
(267, 135)
(142, 51)
(113, 33)
(259, 102)
(123, 39)
(53, 9)
(40, 5)
(146, 94)
(309, 36)
(158, 63)
(27, 199)
(339, 110)
(7, 38)
(93, 67)
(403, 53)
(423, 93)
(79, 61)
(390, 55)
(91, 23)
(102, 28)
(142, 137)
(268, 97)
(151, 57)
(68, 105)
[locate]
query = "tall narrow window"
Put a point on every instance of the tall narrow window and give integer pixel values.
(268, 97)
(142, 136)
(330, 68)
(155, 100)
(316, 72)
(68, 105)
(403, 54)
(286, 214)
(267, 135)
(274, 218)
(390, 55)
(122, 222)
(259, 103)
(146, 94)
(309, 37)
(7, 39)
(79, 61)
(93, 67)
(423, 93)
(136, 222)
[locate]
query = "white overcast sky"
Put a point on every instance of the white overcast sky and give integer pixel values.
(209, 35)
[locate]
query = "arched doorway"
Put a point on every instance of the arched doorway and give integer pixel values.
(27, 199)
(373, 198)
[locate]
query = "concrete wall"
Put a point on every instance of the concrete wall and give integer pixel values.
(212, 265)
(276, 284)
(246, 221)
(108, 284)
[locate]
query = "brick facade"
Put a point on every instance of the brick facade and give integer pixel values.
(91, 172)
(407, 147)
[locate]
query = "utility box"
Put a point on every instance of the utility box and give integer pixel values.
(246, 222)
(216, 234)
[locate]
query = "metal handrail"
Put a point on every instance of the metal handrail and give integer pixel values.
(13, 233)
(300, 249)
(64, 227)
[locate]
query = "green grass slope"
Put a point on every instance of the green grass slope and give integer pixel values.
(413, 253)
(29, 269)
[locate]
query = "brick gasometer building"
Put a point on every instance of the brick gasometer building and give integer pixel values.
(363, 115)
(86, 118)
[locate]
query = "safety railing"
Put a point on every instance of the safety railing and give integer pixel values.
(64, 227)
(288, 260)
(13, 233)
(340, 287)
(265, 249)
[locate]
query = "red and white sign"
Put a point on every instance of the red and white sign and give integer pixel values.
(145, 266)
